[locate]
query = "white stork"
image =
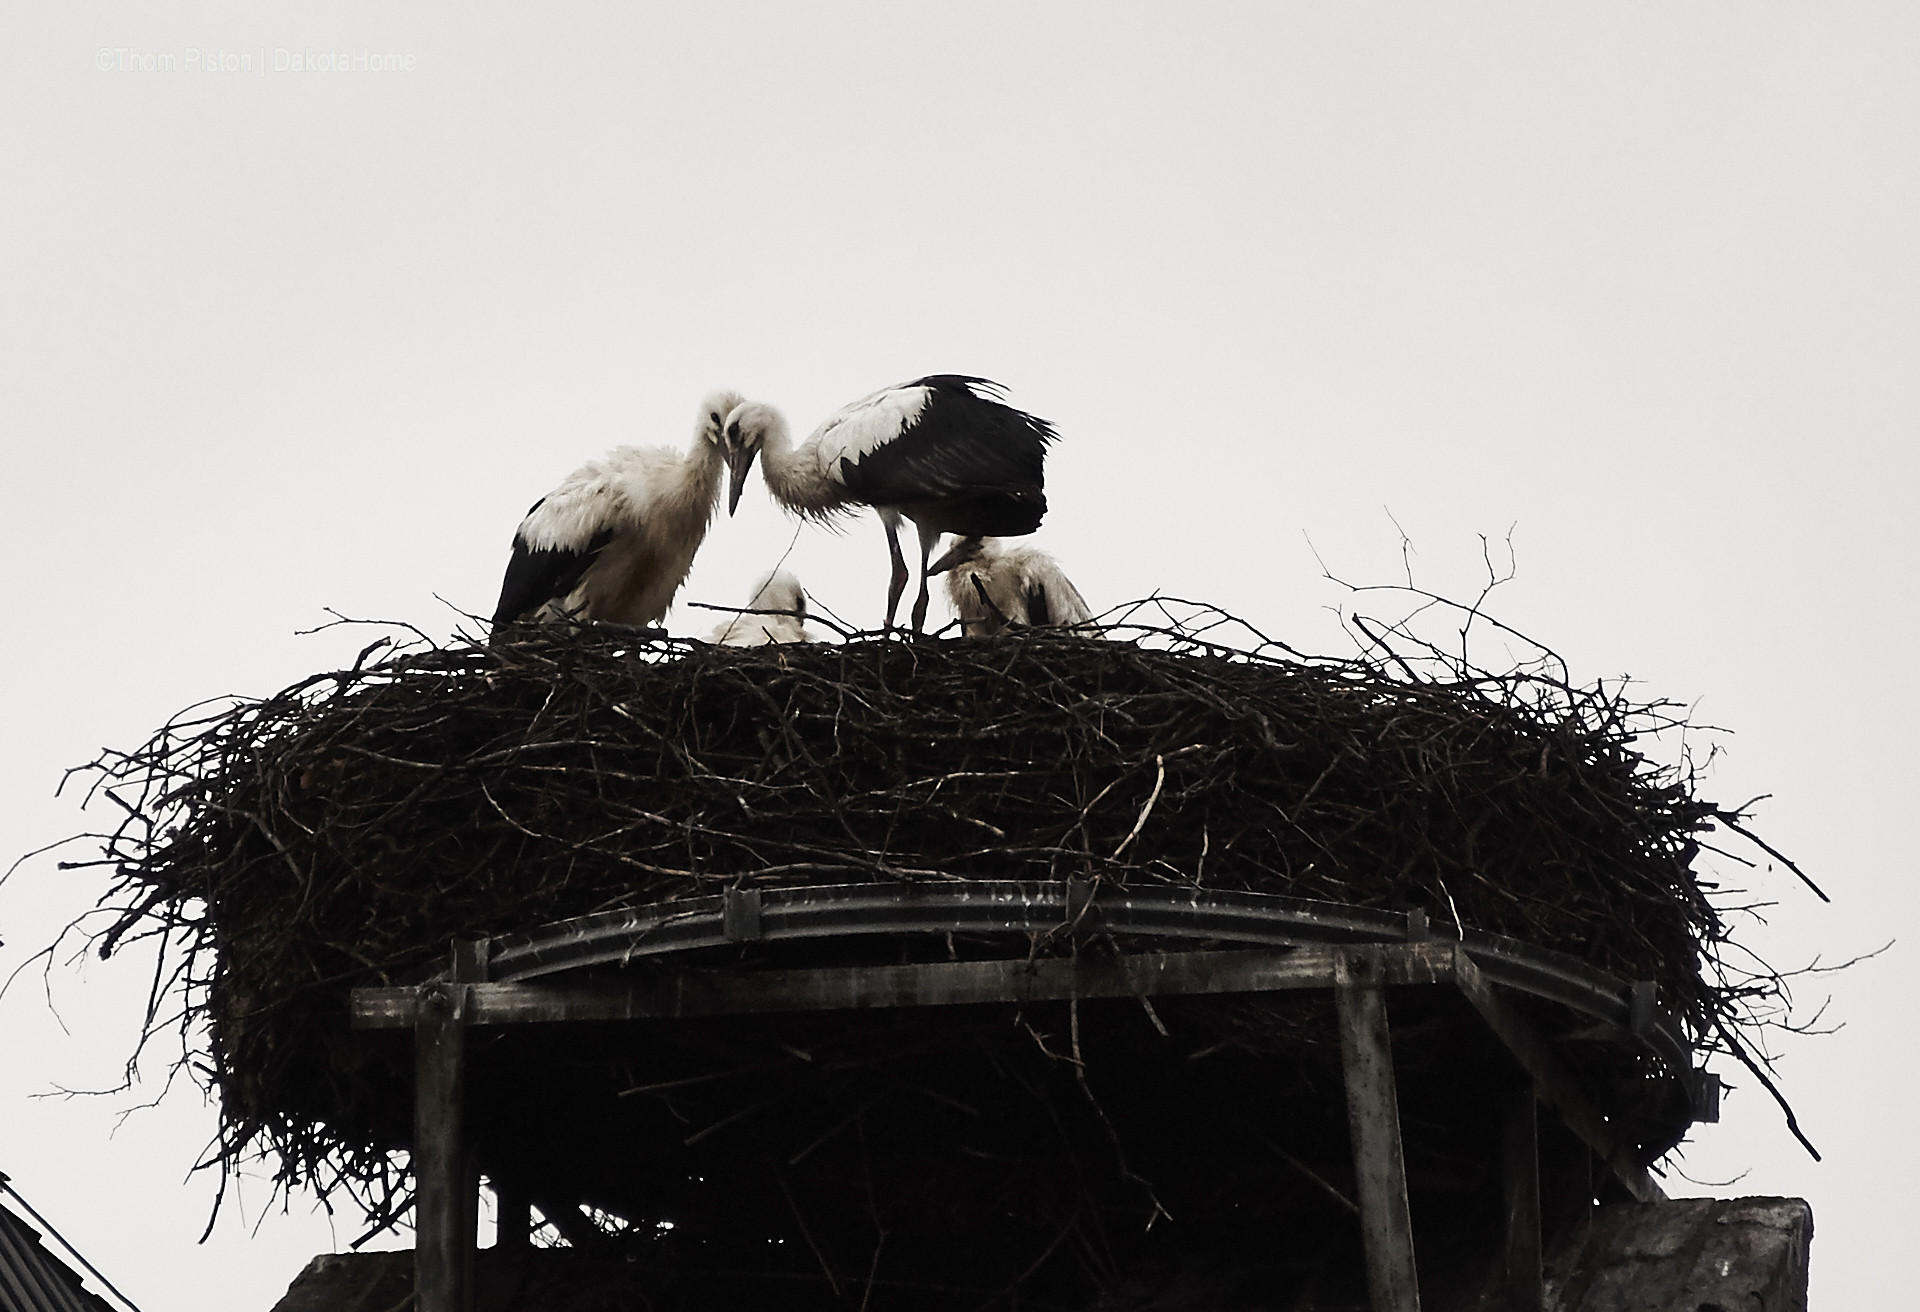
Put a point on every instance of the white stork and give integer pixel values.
(943, 451)
(614, 541)
(993, 588)
(778, 591)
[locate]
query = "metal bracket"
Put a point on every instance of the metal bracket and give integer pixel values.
(470, 959)
(1706, 1096)
(740, 921)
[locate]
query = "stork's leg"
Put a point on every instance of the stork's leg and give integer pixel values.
(927, 540)
(898, 585)
(920, 605)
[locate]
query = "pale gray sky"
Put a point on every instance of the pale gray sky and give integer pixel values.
(1640, 280)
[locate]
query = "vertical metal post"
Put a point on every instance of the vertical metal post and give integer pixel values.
(440, 1272)
(1373, 1115)
(1521, 1154)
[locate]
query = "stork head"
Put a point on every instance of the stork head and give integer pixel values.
(748, 428)
(714, 409)
(780, 590)
(965, 551)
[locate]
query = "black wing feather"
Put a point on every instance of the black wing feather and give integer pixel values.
(1039, 614)
(535, 577)
(966, 445)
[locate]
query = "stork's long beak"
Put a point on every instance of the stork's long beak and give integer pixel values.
(960, 553)
(739, 460)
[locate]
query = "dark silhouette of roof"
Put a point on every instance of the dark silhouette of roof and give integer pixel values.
(33, 1279)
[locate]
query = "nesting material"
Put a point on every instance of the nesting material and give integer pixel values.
(341, 832)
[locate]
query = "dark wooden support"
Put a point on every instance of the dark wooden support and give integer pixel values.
(1554, 1084)
(1521, 1160)
(513, 1216)
(1373, 1113)
(440, 1168)
(1359, 974)
(1566, 1179)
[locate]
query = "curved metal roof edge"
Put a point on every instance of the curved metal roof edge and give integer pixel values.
(833, 910)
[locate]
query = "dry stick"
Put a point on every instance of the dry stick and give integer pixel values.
(1309, 1172)
(708, 1078)
(781, 1178)
(1159, 779)
(740, 1115)
(1034, 1265)
(1087, 810)
(1377, 641)
(586, 844)
(866, 1169)
(1458, 928)
(832, 1130)
(873, 1270)
(1740, 1051)
(1113, 1134)
(1770, 850)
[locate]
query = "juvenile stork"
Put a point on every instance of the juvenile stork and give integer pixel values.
(944, 451)
(779, 591)
(615, 540)
(994, 588)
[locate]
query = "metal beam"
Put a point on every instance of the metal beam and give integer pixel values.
(857, 988)
(1024, 907)
(983, 906)
(1373, 1115)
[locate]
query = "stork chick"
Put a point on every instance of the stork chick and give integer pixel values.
(943, 451)
(615, 540)
(993, 588)
(778, 591)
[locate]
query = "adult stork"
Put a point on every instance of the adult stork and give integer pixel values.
(776, 611)
(994, 588)
(944, 451)
(615, 540)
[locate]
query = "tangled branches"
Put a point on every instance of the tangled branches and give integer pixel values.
(340, 832)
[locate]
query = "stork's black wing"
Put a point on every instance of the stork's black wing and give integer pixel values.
(965, 444)
(537, 576)
(1039, 614)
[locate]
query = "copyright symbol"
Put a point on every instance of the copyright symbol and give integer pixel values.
(103, 60)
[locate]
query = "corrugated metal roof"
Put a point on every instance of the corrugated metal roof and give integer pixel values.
(33, 1279)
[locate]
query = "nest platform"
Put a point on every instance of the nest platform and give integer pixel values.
(632, 824)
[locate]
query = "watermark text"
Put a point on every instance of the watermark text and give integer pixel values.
(254, 63)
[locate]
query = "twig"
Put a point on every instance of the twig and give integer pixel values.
(1309, 1172)
(1772, 851)
(1159, 779)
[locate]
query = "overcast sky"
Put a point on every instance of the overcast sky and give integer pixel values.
(1637, 282)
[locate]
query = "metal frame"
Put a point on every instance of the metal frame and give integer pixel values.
(1009, 906)
(1357, 952)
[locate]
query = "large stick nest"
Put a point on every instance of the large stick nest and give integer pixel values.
(341, 832)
